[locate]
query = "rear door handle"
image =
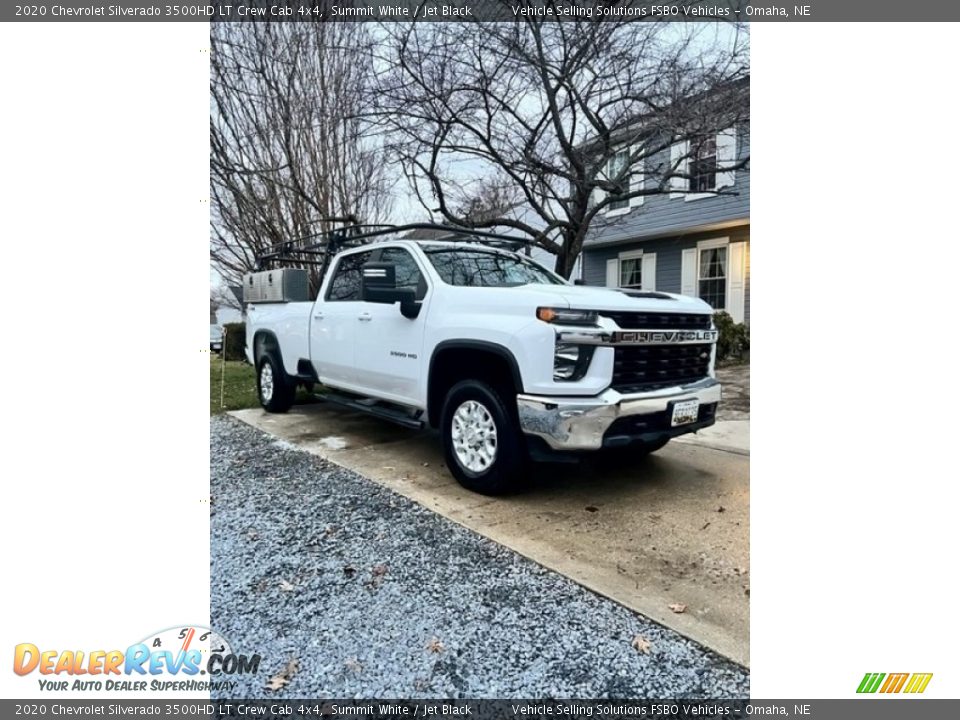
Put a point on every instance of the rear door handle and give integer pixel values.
(318, 316)
(365, 317)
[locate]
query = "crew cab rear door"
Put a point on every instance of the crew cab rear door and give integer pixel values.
(335, 320)
(389, 346)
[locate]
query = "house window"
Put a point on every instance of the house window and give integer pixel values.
(617, 172)
(703, 166)
(631, 270)
(712, 276)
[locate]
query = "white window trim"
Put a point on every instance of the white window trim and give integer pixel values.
(713, 243)
(689, 196)
(709, 244)
(629, 255)
(634, 182)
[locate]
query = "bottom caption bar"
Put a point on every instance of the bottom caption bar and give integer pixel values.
(852, 709)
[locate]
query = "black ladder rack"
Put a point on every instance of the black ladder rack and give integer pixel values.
(317, 249)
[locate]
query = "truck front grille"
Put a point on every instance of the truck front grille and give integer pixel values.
(659, 321)
(638, 368)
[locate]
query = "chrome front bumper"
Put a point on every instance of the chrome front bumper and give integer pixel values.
(573, 423)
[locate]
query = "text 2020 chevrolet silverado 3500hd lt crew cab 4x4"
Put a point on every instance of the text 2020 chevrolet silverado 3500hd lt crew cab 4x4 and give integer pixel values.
(506, 358)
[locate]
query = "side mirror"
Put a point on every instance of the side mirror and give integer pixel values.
(379, 285)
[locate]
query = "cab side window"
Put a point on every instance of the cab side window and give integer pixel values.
(345, 285)
(408, 272)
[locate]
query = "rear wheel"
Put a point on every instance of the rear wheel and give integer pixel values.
(274, 388)
(482, 442)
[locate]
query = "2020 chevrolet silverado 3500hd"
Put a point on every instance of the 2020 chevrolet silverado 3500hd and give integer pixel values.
(508, 360)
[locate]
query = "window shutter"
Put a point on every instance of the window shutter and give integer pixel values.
(679, 154)
(598, 196)
(726, 156)
(735, 284)
(613, 272)
(637, 179)
(648, 272)
(688, 272)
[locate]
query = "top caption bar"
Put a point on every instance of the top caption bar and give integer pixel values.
(480, 10)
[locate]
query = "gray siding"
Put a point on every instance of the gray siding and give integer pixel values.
(669, 253)
(664, 215)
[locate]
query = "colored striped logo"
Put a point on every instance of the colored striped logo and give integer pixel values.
(894, 682)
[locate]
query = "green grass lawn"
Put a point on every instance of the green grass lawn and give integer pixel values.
(239, 386)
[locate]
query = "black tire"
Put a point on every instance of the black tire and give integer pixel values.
(504, 469)
(274, 388)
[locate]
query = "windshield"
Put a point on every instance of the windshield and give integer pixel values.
(484, 268)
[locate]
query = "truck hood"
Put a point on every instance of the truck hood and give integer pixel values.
(594, 298)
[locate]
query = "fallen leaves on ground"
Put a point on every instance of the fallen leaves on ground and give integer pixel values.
(435, 645)
(641, 644)
(353, 664)
(283, 678)
(349, 570)
(677, 607)
(286, 586)
(376, 576)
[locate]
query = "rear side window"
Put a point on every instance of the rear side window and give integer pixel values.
(345, 285)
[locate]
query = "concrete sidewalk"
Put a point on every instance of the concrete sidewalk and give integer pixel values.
(727, 435)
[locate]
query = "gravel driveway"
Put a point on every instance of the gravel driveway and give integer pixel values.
(375, 596)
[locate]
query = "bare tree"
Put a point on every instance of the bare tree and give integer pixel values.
(222, 296)
(488, 199)
(287, 149)
(550, 106)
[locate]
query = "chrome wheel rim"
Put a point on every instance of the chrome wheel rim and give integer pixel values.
(266, 382)
(474, 436)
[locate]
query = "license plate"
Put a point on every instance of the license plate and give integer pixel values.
(685, 412)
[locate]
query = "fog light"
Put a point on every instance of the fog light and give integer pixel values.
(570, 362)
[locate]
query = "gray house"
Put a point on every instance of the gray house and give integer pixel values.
(691, 241)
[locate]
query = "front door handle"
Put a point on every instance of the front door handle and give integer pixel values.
(318, 316)
(365, 317)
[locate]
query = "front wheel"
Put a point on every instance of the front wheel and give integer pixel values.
(275, 391)
(482, 442)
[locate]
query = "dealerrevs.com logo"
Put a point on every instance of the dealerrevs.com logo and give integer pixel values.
(183, 659)
(910, 683)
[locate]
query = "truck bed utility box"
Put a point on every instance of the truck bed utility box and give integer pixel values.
(281, 285)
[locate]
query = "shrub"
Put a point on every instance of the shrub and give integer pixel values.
(234, 340)
(734, 341)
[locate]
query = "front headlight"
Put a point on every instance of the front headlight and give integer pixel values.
(565, 316)
(571, 362)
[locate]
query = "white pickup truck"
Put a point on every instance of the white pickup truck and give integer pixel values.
(508, 360)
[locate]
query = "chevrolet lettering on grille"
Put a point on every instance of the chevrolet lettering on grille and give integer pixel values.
(665, 337)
